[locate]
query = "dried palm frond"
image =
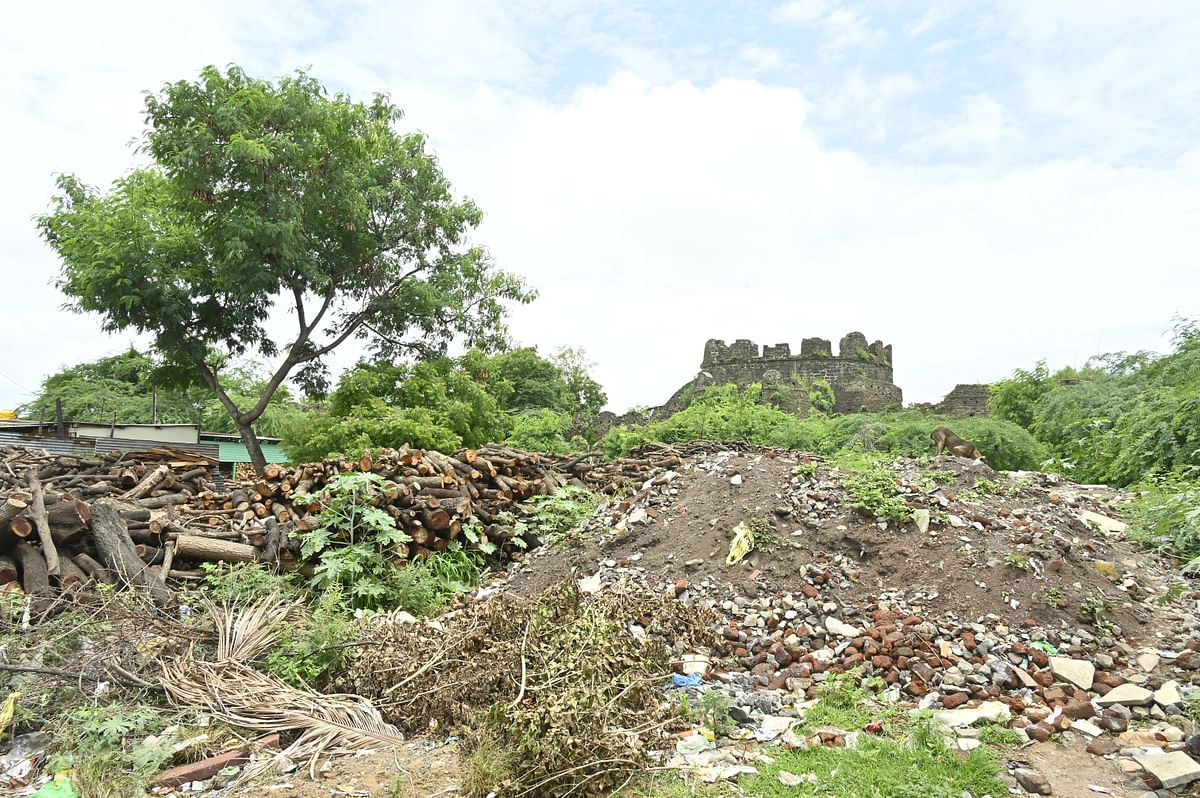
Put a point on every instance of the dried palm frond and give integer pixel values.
(232, 691)
(245, 632)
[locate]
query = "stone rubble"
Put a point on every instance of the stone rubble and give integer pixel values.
(1043, 680)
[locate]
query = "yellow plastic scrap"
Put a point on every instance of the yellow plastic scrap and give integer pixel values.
(743, 543)
(8, 710)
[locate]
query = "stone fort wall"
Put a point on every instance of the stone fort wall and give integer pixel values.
(860, 373)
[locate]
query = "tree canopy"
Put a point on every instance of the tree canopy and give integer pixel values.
(268, 194)
(130, 388)
(445, 403)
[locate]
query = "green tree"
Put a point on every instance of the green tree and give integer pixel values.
(1014, 399)
(585, 396)
(264, 193)
(131, 388)
(120, 387)
(434, 404)
(528, 381)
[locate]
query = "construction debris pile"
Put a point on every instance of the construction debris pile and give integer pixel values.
(148, 517)
(1006, 597)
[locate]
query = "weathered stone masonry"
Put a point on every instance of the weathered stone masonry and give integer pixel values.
(860, 373)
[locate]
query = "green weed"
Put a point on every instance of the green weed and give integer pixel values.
(1000, 736)
(881, 768)
(556, 517)
(713, 711)
(872, 490)
(103, 746)
(1016, 560)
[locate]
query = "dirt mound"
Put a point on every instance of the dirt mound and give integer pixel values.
(1013, 548)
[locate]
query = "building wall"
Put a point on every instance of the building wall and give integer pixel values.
(167, 433)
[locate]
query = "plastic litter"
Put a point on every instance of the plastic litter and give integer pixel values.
(688, 680)
(743, 542)
(60, 787)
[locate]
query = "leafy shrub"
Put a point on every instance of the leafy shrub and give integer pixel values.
(871, 489)
(311, 648)
(820, 396)
(540, 431)
(354, 540)
(106, 765)
(725, 413)
(425, 588)
(1121, 418)
(555, 516)
(1169, 517)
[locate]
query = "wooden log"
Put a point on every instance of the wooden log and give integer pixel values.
(147, 484)
(111, 535)
(37, 510)
(92, 568)
(71, 577)
(158, 502)
(34, 577)
(195, 473)
(68, 521)
(8, 569)
(436, 520)
(21, 527)
(150, 555)
(12, 507)
(194, 547)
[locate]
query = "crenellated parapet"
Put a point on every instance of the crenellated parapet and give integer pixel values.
(853, 346)
(860, 373)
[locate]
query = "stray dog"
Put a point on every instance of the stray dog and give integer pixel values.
(945, 439)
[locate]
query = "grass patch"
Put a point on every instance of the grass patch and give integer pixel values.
(880, 768)
(1000, 736)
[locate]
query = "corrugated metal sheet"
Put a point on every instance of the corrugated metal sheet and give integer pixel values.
(237, 453)
(76, 447)
(104, 445)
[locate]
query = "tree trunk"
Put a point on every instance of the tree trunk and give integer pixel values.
(116, 549)
(257, 458)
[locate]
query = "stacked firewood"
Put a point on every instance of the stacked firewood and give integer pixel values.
(151, 516)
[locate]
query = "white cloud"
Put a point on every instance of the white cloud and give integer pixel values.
(801, 12)
(655, 217)
(846, 28)
(981, 125)
(760, 59)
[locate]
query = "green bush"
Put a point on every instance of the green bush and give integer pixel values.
(1121, 418)
(541, 431)
(725, 413)
(1169, 517)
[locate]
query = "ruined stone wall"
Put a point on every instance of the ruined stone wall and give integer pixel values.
(860, 373)
(965, 401)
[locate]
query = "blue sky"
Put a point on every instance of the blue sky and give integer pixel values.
(981, 184)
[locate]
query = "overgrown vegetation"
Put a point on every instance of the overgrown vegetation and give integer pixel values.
(357, 550)
(871, 488)
(556, 516)
(1124, 419)
(726, 413)
(906, 757)
(103, 745)
(442, 403)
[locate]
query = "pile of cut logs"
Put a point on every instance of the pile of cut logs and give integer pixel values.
(151, 516)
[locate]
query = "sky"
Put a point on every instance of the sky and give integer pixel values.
(979, 184)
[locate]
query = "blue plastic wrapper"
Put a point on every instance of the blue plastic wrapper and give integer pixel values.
(691, 680)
